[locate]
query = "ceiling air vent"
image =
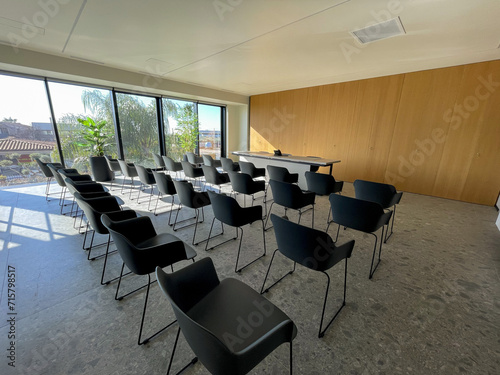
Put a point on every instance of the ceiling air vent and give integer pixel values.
(383, 30)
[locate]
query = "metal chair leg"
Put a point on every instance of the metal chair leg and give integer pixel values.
(262, 291)
(145, 341)
(221, 233)
(322, 332)
(372, 269)
(268, 215)
(392, 226)
(239, 249)
(193, 361)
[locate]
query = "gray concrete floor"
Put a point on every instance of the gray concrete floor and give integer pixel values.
(432, 306)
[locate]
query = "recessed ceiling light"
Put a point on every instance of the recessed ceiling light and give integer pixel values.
(379, 31)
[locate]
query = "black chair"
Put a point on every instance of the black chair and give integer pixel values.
(160, 164)
(171, 165)
(128, 171)
(165, 186)
(242, 183)
(211, 313)
(313, 249)
(249, 168)
(94, 208)
(47, 173)
(60, 175)
(213, 177)
(228, 165)
(88, 190)
(323, 184)
(281, 174)
(291, 196)
(194, 159)
(365, 216)
(229, 212)
(147, 180)
(192, 172)
(210, 162)
(142, 250)
(114, 166)
(384, 194)
(193, 199)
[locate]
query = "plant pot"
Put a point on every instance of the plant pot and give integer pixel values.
(100, 170)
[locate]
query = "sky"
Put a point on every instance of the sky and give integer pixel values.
(26, 100)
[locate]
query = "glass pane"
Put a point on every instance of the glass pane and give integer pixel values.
(181, 127)
(78, 141)
(139, 128)
(210, 130)
(25, 130)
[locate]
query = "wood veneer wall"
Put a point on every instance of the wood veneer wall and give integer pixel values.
(434, 132)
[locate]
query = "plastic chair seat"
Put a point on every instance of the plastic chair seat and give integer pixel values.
(222, 318)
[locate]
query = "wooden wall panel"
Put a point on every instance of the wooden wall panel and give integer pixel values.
(373, 128)
(414, 158)
(400, 129)
(483, 178)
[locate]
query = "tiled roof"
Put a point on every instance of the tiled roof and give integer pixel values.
(15, 144)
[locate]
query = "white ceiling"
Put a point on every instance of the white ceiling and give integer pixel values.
(255, 46)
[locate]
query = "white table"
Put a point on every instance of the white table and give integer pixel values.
(294, 164)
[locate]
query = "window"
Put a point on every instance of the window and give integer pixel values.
(71, 103)
(210, 134)
(23, 105)
(139, 128)
(181, 127)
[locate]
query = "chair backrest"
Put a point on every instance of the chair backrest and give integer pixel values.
(171, 164)
(127, 169)
(312, 248)
(164, 183)
(286, 194)
(45, 169)
(357, 214)
(323, 184)
(191, 171)
(129, 236)
(145, 176)
(59, 179)
(113, 163)
(208, 160)
(210, 174)
(158, 160)
(248, 168)
(193, 158)
(245, 184)
(384, 194)
(227, 210)
(278, 173)
(189, 197)
(228, 165)
(95, 207)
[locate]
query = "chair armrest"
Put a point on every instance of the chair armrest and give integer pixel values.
(386, 217)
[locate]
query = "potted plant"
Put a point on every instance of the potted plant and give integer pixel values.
(96, 140)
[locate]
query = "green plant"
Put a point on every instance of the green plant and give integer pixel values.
(95, 136)
(187, 129)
